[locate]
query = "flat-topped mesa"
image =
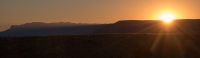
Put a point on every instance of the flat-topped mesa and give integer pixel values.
(151, 26)
(137, 21)
(39, 29)
(28, 25)
(35, 25)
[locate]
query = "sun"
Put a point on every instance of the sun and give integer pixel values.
(167, 17)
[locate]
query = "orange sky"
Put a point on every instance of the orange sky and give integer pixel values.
(14, 12)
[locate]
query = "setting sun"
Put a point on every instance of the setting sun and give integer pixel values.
(167, 17)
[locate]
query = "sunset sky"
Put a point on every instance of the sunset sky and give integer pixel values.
(15, 12)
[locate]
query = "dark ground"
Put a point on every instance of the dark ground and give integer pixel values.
(102, 46)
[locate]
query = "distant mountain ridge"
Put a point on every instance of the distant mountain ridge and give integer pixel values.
(124, 26)
(40, 28)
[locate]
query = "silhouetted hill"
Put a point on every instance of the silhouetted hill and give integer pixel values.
(40, 28)
(152, 26)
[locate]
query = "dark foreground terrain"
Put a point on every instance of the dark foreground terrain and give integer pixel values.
(102, 46)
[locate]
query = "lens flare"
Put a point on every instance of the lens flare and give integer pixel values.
(167, 17)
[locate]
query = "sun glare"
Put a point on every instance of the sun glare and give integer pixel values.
(167, 17)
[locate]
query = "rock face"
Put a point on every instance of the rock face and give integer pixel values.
(40, 29)
(152, 26)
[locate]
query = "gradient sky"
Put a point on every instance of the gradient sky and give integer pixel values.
(15, 12)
